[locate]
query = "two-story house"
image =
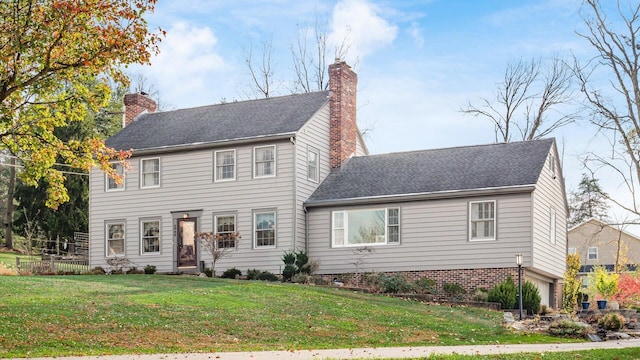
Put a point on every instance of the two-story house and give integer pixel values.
(293, 173)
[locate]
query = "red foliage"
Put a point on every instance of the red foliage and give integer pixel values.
(629, 289)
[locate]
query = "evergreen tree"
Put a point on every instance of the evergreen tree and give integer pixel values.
(589, 201)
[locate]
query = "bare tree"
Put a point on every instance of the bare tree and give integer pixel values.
(262, 70)
(529, 101)
(140, 83)
(218, 245)
(615, 102)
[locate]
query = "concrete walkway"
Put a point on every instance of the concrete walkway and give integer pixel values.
(373, 353)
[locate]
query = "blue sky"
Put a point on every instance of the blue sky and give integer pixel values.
(418, 62)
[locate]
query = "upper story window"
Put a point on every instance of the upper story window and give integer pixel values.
(150, 173)
(111, 183)
(365, 227)
(264, 158)
(571, 251)
(313, 165)
(150, 239)
(115, 239)
(225, 226)
(552, 165)
(225, 165)
(592, 253)
(264, 225)
(482, 220)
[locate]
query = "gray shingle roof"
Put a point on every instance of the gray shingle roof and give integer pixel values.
(432, 171)
(230, 121)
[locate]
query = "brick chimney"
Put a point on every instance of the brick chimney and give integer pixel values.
(136, 104)
(342, 104)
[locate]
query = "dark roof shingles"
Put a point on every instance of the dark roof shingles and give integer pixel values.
(235, 120)
(438, 170)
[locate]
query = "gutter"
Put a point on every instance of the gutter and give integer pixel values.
(450, 194)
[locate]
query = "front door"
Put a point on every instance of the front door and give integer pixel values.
(187, 242)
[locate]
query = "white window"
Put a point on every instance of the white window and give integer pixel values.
(552, 165)
(552, 226)
(115, 239)
(264, 161)
(225, 165)
(225, 226)
(482, 218)
(571, 251)
(313, 162)
(264, 225)
(111, 183)
(150, 237)
(150, 173)
(366, 227)
(592, 253)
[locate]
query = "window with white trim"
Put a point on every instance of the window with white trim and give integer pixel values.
(482, 220)
(150, 237)
(552, 165)
(552, 226)
(150, 173)
(592, 253)
(365, 227)
(225, 226)
(115, 239)
(112, 184)
(571, 251)
(225, 165)
(264, 158)
(313, 165)
(264, 225)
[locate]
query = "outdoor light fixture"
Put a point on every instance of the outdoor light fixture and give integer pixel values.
(519, 263)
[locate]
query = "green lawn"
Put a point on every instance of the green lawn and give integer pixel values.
(121, 314)
(10, 258)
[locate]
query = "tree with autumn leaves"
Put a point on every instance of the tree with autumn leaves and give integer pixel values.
(49, 51)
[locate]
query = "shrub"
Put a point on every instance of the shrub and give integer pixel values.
(7, 271)
(296, 263)
(252, 274)
(267, 276)
(98, 270)
(134, 270)
(504, 293)
(545, 310)
(302, 278)
(530, 297)
(454, 291)
(568, 328)
(393, 284)
(426, 286)
(231, 273)
(612, 321)
(480, 295)
(207, 271)
(288, 272)
(629, 286)
(289, 258)
(150, 269)
(302, 262)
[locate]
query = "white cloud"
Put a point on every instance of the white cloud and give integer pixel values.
(358, 23)
(416, 33)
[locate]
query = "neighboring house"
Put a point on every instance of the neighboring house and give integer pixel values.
(599, 243)
(292, 173)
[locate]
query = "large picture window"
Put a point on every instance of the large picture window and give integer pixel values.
(150, 173)
(115, 239)
(264, 229)
(366, 227)
(111, 183)
(264, 161)
(482, 218)
(225, 226)
(225, 165)
(150, 238)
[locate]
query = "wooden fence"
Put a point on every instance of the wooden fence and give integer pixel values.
(51, 265)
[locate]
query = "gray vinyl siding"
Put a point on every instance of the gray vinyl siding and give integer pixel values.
(433, 236)
(314, 134)
(549, 194)
(187, 186)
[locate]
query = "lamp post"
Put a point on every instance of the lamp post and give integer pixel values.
(519, 262)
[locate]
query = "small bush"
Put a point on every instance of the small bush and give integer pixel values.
(288, 272)
(207, 271)
(252, 274)
(612, 321)
(504, 293)
(370, 281)
(289, 258)
(545, 310)
(567, 328)
(454, 291)
(98, 270)
(231, 273)
(426, 286)
(267, 276)
(302, 263)
(393, 284)
(150, 269)
(134, 270)
(530, 297)
(480, 295)
(7, 271)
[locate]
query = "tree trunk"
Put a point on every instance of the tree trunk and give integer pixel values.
(10, 192)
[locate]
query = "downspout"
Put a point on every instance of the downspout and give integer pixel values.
(295, 193)
(306, 229)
